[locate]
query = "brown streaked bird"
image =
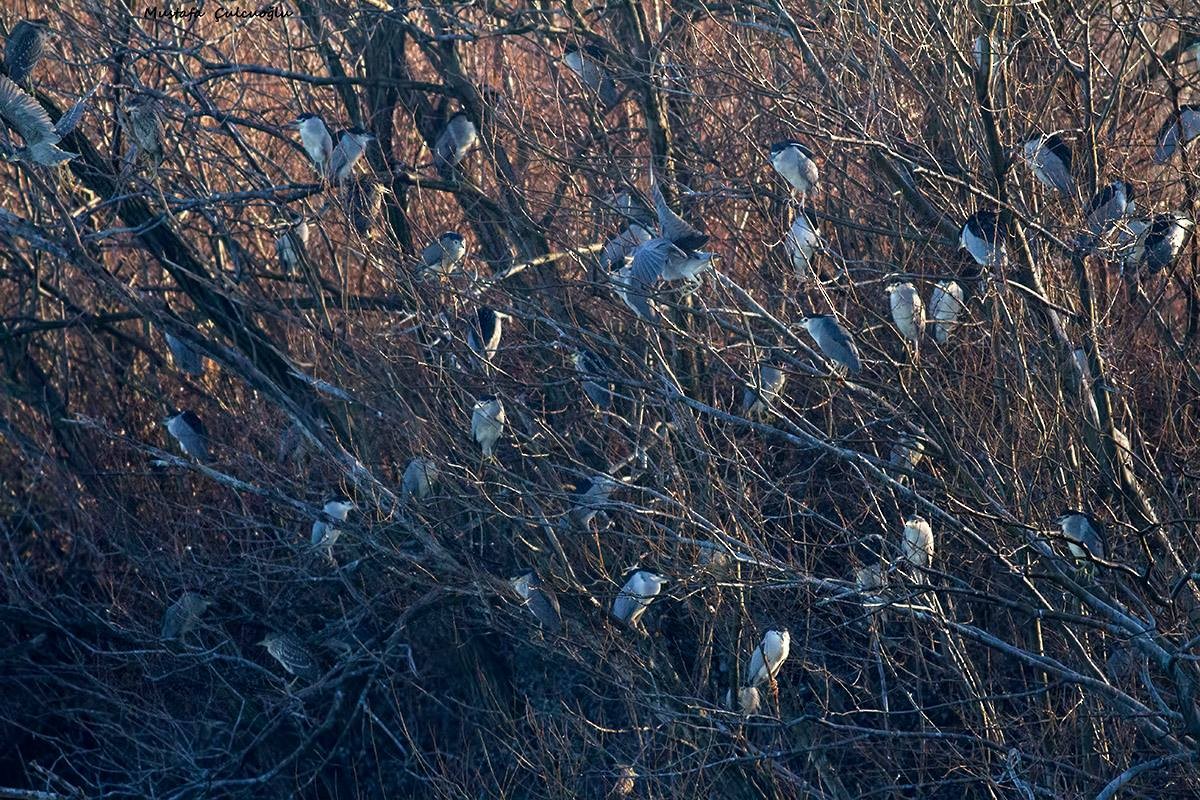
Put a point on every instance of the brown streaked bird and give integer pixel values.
(25, 47)
(364, 202)
(291, 653)
(143, 125)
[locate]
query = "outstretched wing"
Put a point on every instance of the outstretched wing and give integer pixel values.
(25, 115)
(675, 228)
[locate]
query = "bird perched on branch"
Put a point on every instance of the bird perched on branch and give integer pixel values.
(443, 254)
(590, 496)
(539, 599)
(143, 124)
(796, 163)
(487, 423)
(636, 596)
(594, 372)
(325, 534)
(316, 140)
(802, 241)
(749, 700)
(908, 312)
(25, 47)
(1109, 204)
(185, 356)
(945, 306)
(983, 236)
(291, 245)
(457, 139)
(351, 145)
(917, 543)
(1084, 534)
(1162, 240)
(419, 478)
(26, 116)
(182, 616)
(1181, 127)
(1049, 156)
(834, 341)
(908, 450)
(483, 336)
(292, 655)
(769, 656)
(588, 62)
(364, 203)
(759, 395)
(189, 432)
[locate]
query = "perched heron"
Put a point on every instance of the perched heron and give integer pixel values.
(917, 543)
(539, 599)
(456, 140)
(1163, 240)
(483, 337)
(908, 311)
(796, 163)
(325, 534)
(749, 700)
(1049, 156)
(144, 127)
(316, 140)
(26, 116)
(1180, 127)
(981, 46)
(189, 432)
(945, 306)
(25, 47)
(802, 241)
(907, 451)
(590, 496)
(588, 63)
(182, 616)
(757, 397)
(364, 203)
(291, 244)
(983, 236)
(834, 341)
(184, 355)
(292, 655)
(636, 596)
(487, 423)
(869, 578)
(1083, 533)
(1111, 203)
(352, 143)
(442, 255)
(768, 657)
(593, 374)
(419, 478)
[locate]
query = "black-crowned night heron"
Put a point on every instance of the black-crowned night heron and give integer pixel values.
(351, 145)
(144, 126)
(908, 450)
(636, 596)
(908, 311)
(1049, 156)
(982, 47)
(617, 250)
(588, 63)
(834, 341)
(487, 423)
(796, 163)
(1180, 127)
(768, 657)
(945, 306)
(443, 254)
(802, 241)
(325, 534)
(292, 655)
(539, 599)
(916, 545)
(594, 378)
(364, 203)
(26, 116)
(759, 395)
(182, 616)
(1163, 240)
(870, 577)
(316, 140)
(456, 140)
(590, 496)
(189, 432)
(983, 236)
(419, 478)
(749, 700)
(291, 245)
(25, 47)
(1083, 533)
(184, 355)
(1109, 204)
(483, 333)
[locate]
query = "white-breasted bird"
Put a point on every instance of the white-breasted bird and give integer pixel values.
(917, 543)
(419, 478)
(796, 163)
(802, 241)
(487, 423)
(483, 334)
(443, 254)
(1180, 127)
(456, 140)
(749, 700)
(1083, 533)
(945, 306)
(588, 63)
(768, 657)
(834, 341)
(291, 244)
(351, 145)
(539, 599)
(184, 355)
(27, 117)
(760, 394)
(983, 236)
(908, 311)
(316, 140)
(1049, 156)
(1109, 204)
(590, 496)
(636, 596)
(1162, 240)
(190, 433)
(907, 450)
(325, 534)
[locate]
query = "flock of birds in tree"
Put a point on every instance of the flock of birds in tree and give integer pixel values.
(655, 248)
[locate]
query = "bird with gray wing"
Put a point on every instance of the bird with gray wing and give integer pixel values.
(1049, 156)
(26, 116)
(69, 121)
(802, 241)
(325, 534)
(908, 312)
(759, 396)
(916, 544)
(419, 478)
(594, 372)
(983, 237)
(364, 203)
(590, 496)
(182, 616)
(25, 47)
(1162, 240)
(1084, 535)
(636, 596)
(631, 206)
(185, 356)
(749, 700)
(945, 306)
(457, 139)
(834, 341)
(796, 163)
(352, 143)
(292, 655)
(291, 245)
(908, 450)
(1180, 128)
(316, 140)
(618, 249)
(442, 255)
(1109, 204)
(189, 432)
(588, 62)
(768, 657)
(483, 337)
(487, 423)
(539, 599)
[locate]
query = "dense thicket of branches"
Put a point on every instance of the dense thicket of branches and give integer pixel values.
(1003, 671)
